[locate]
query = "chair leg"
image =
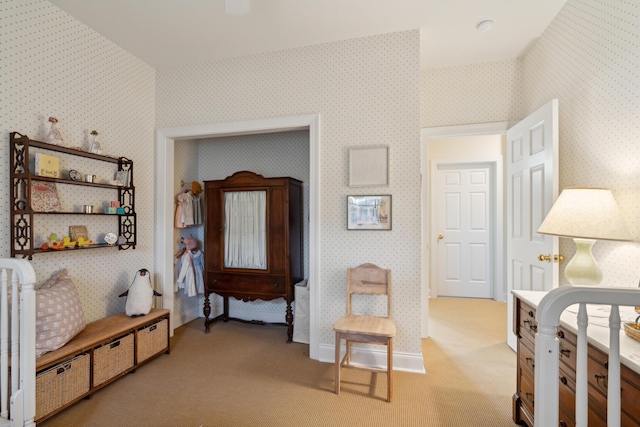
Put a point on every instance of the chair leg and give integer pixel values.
(389, 369)
(337, 380)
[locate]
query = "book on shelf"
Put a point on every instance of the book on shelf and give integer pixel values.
(47, 165)
(124, 177)
(44, 197)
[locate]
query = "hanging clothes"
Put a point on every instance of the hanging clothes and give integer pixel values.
(190, 268)
(197, 209)
(188, 210)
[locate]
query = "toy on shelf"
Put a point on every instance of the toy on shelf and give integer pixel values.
(83, 242)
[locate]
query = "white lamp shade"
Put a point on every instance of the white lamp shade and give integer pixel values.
(588, 213)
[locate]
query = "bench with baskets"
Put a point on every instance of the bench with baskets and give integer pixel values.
(103, 352)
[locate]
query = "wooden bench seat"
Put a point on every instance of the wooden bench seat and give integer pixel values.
(142, 339)
(96, 333)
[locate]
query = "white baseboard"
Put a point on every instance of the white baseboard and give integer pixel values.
(186, 317)
(261, 316)
(373, 357)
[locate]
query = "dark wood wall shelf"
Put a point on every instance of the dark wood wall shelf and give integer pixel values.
(22, 213)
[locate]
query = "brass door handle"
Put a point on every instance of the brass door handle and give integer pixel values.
(547, 258)
(440, 237)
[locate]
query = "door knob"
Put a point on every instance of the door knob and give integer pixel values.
(546, 258)
(440, 237)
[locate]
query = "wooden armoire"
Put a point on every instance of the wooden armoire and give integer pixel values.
(266, 270)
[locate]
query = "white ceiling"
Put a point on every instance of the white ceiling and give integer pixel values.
(164, 33)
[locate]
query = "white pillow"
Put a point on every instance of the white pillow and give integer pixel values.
(59, 315)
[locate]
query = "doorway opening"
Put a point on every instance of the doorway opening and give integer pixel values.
(165, 143)
(458, 153)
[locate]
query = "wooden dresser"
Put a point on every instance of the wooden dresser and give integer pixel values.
(525, 327)
(284, 244)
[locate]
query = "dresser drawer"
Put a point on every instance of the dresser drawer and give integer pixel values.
(527, 324)
(526, 391)
(526, 355)
(567, 396)
(246, 283)
(567, 351)
(598, 375)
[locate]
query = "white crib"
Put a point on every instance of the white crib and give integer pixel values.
(17, 343)
(547, 350)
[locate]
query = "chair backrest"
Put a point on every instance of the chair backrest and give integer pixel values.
(369, 279)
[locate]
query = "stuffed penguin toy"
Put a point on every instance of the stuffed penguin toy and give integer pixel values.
(140, 295)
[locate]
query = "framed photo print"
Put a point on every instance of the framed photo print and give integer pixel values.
(369, 166)
(369, 212)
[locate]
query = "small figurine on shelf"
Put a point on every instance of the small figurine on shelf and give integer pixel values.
(54, 136)
(94, 147)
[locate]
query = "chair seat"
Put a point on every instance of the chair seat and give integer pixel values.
(370, 325)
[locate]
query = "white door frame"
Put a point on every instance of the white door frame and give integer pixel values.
(166, 139)
(495, 166)
(427, 134)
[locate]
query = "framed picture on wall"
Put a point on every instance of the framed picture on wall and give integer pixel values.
(369, 212)
(369, 166)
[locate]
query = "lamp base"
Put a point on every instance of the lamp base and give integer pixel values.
(583, 268)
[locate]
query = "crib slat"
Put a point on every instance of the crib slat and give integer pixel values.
(4, 347)
(582, 403)
(15, 332)
(613, 388)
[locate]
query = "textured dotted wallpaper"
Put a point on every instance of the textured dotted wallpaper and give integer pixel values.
(589, 58)
(367, 93)
(53, 65)
(469, 94)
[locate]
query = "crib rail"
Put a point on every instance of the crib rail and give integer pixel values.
(547, 350)
(17, 343)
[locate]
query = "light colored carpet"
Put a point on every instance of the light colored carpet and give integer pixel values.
(247, 375)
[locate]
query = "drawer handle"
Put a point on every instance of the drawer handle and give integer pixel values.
(564, 351)
(531, 326)
(530, 313)
(114, 344)
(63, 369)
(529, 397)
(560, 334)
(530, 361)
(275, 285)
(563, 424)
(563, 380)
(601, 378)
(153, 328)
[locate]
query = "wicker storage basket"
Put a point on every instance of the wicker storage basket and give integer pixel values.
(151, 340)
(112, 358)
(632, 330)
(62, 383)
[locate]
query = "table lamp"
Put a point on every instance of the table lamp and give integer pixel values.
(586, 215)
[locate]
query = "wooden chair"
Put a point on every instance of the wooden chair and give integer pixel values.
(367, 279)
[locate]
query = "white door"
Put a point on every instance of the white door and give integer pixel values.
(465, 248)
(532, 187)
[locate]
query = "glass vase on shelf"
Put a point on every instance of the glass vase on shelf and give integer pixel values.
(94, 146)
(54, 136)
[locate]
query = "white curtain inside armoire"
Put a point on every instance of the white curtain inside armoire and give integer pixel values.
(245, 231)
